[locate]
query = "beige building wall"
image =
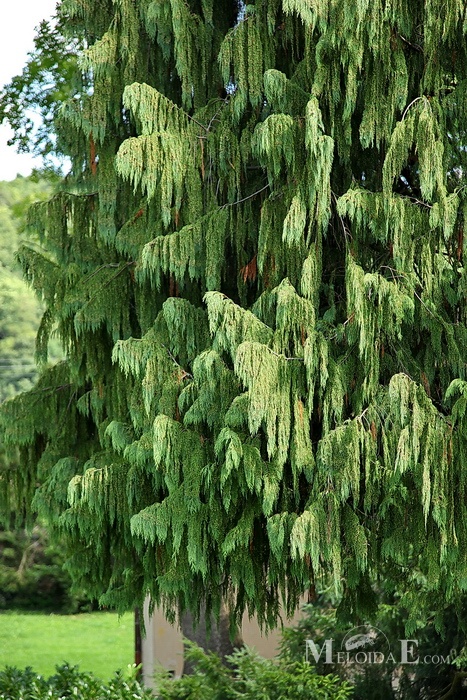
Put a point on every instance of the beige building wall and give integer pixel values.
(162, 647)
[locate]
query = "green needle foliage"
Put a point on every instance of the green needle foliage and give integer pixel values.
(257, 270)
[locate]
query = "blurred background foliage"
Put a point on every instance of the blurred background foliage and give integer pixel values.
(31, 567)
(32, 575)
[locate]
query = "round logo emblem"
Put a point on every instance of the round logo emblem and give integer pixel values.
(365, 639)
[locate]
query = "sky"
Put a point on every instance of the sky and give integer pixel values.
(18, 20)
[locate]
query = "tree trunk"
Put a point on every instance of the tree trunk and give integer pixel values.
(218, 640)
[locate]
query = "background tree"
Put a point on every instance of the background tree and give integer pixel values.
(32, 576)
(20, 311)
(29, 103)
(257, 273)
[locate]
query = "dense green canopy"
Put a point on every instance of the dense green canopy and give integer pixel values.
(257, 271)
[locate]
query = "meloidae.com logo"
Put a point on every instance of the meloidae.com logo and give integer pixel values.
(369, 645)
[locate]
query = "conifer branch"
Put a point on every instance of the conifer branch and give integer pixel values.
(174, 360)
(107, 266)
(109, 281)
(456, 686)
(411, 44)
(214, 117)
(80, 194)
(437, 318)
(250, 196)
(395, 274)
(59, 387)
(211, 121)
(284, 357)
(414, 101)
(418, 201)
(345, 229)
(70, 400)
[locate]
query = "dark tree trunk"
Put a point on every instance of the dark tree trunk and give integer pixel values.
(218, 640)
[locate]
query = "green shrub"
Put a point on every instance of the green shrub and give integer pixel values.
(248, 676)
(69, 683)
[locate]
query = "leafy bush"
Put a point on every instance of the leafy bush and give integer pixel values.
(248, 676)
(69, 682)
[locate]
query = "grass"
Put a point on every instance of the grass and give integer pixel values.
(99, 642)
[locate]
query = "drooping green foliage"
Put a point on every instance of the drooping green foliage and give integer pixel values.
(257, 270)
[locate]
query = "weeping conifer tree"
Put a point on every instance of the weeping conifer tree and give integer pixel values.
(257, 270)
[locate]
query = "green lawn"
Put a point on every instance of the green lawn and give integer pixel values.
(97, 642)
